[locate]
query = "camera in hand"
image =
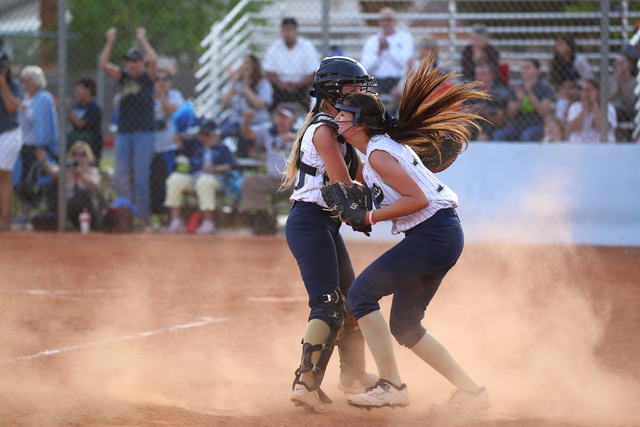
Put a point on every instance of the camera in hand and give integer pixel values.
(73, 163)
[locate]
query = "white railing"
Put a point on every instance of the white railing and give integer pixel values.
(635, 136)
(241, 32)
(227, 43)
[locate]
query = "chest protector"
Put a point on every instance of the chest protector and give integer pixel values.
(351, 157)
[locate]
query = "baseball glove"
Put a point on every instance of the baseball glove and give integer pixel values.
(448, 150)
(349, 203)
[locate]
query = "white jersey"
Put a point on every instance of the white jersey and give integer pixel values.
(440, 196)
(307, 187)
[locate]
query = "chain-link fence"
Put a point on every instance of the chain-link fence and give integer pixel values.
(180, 116)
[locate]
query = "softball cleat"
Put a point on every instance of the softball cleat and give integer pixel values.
(308, 399)
(359, 385)
(384, 393)
(462, 402)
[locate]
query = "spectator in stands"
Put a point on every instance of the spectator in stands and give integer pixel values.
(567, 70)
(85, 117)
(207, 169)
(532, 103)
(290, 63)
(277, 139)
(494, 110)
(427, 46)
(81, 185)
(247, 89)
(10, 137)
(480, 50)
(386, 53)
(555, 129)
(39, 123)
(621, 91)
(134, 145)
(167, 101)
(583, 118)
(334, 50)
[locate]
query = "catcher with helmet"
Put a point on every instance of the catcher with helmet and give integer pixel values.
(406, 192)
(314, 238)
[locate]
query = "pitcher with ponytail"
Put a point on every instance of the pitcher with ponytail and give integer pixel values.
(422, 207)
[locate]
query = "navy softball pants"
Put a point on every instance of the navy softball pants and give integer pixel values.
(412, 271)
(315, 241)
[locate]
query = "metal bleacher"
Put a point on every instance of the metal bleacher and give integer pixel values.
(253, 25)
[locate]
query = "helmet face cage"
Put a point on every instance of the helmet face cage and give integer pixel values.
(331, 89)
(355, 110)
(335, 73)
(357, 118)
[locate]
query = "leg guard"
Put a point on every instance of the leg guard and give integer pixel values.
(333, 315)
(352, 362)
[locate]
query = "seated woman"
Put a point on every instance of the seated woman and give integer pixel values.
(82, 182)
(622, 90)
(567, 71)
(583, 118)
(247, 89)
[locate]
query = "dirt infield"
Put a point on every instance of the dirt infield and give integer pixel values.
(145, 330)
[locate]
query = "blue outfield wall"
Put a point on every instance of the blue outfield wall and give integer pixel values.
(543, 193)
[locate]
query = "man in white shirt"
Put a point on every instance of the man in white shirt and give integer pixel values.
(386, 53)
(289, 64)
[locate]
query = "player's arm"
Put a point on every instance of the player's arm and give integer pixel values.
(329, 150)
(359, 175)
(413, 197)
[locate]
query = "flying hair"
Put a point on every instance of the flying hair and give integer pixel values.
(426, 113)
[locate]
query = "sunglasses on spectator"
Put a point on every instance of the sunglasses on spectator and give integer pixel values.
(79, 154)
(163, 79)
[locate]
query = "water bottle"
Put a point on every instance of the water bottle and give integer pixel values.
(182, 163)
(85, 222)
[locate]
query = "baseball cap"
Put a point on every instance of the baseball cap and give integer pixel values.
(134, 54)
(286, 109)
(208, 127)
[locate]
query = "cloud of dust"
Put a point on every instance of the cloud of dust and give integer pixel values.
(240, 367)
(522, 326)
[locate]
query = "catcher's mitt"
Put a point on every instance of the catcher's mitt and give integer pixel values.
(349, 203)
(438, 160)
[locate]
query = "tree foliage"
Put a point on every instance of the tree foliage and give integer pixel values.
(174, 27)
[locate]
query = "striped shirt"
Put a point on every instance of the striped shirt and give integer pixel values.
(440, 196)
(307, 188)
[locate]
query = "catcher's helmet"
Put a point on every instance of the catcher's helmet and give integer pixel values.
(335, 72)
